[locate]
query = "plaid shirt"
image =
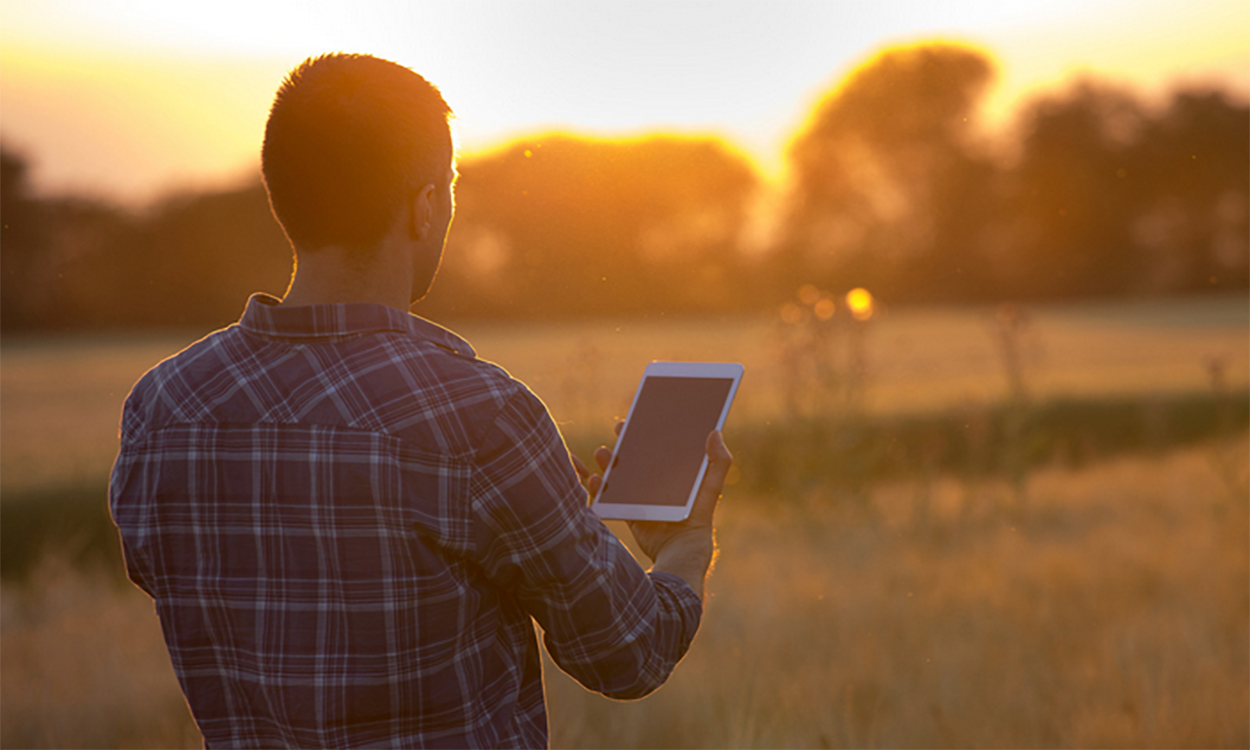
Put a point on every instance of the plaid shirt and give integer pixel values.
(347, 522)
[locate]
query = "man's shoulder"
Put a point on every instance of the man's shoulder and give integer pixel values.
(452, 381)
(401, 383)
(178, 363)
(178, 372)
(434, 360)
(433, 352)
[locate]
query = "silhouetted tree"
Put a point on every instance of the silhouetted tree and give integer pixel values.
(1109, 199)
(44, 242)
(1074, 193)
(1193, 164)
(561, 225)
(24, 241)
(891, 191)
(192, 261)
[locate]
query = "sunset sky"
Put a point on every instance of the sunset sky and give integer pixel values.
(129, 98)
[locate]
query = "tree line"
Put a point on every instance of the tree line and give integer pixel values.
(892, 186)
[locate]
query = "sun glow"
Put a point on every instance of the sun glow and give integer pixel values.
(131, 94)
(92, 121)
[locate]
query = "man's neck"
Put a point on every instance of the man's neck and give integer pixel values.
(333, 275)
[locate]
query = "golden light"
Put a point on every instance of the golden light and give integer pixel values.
(824, 308)
(198, 78)
(860, 303)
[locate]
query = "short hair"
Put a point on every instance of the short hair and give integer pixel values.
(349, 139)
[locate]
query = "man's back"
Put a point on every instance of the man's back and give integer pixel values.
(347, 522)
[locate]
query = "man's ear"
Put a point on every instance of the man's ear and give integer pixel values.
(422, 212)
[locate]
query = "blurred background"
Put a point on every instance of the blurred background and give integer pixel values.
(987, 265)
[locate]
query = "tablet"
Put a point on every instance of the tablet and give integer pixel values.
(661, 455)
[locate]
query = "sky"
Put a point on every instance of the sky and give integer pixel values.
(130, 99)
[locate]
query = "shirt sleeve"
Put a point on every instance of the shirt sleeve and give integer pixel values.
(120, 505)
(614, 628)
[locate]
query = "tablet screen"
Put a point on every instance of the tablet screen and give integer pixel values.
(663, 447)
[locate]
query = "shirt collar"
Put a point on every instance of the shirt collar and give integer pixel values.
(265, 316)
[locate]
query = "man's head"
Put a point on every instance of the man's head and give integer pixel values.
(351, 139)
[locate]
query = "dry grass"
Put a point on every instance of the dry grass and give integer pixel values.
(84, 665)
(1113, 611)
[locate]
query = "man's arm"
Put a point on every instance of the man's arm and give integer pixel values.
(616, 629)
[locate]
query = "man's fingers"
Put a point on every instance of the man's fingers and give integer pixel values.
(593, 484)
(717, 453)
(719, 461)
(602, 457)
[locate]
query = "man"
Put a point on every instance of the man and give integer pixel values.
(346, 520)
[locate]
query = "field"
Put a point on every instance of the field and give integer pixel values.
(1099, 604)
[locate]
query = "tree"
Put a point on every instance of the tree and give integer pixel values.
(1109, 198)
(45, 241)
(192, 260)
(560, 225)
(1193, 162)
(1074, 193)
(890, 190)
(24, 241)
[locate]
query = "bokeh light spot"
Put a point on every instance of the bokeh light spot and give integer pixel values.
(860, 303)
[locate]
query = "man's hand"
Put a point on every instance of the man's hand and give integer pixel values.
(683, 548)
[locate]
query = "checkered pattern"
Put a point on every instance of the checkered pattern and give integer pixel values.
(349, 524)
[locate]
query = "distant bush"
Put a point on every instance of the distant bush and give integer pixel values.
(852, 451)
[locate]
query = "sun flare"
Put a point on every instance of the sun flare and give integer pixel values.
(861, 304)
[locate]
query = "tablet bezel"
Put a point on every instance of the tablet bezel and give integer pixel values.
(629, 512)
